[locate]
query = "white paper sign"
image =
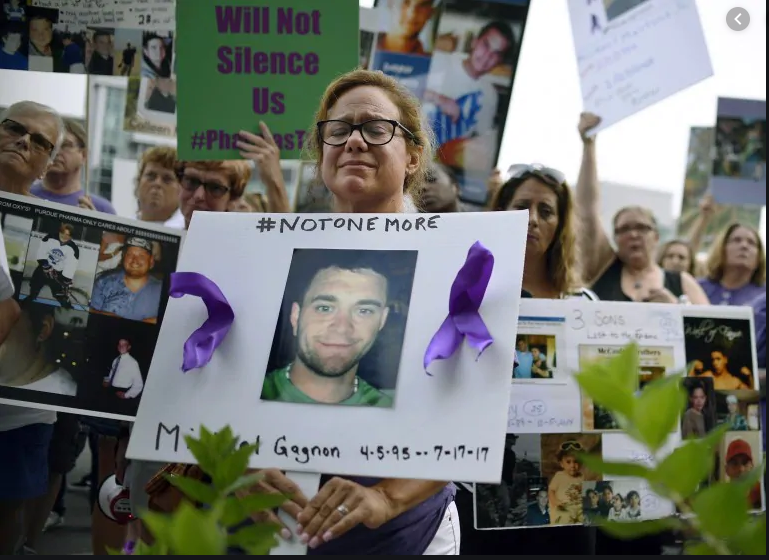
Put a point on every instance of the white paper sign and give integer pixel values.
(449, 425)
(633, 53)
(117, 14)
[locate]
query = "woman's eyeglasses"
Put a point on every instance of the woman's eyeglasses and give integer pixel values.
(643, 229)
(214, 190)
(571, 446)
(519, 170)
(376, 132)
(38, 142)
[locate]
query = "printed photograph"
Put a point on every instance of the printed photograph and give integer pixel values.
(158, 96)
(157, 54)
(127, 45)
(100, 51)
(130, 277)
(739, 409)
(43, 353)
(13, 10)
(138, 119)
(119, 358)
(17, 231)
(410, 26)
(76, 46)
(700, 415)
(741, 453)
(45, 52)
(468, 87)
(740, 148)
(506, 505)
(60, 264)
(618, 8)
(620, 500)
(720, 349)
(366, 47)
(566, 475)
(14, 45)
(339, 334)
(536, 357)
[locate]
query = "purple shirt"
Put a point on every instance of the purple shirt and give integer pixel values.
(718, 295)
(759, 310)
(101, 204)
(408, 534)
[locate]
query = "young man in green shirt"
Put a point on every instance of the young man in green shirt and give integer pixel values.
(335, 324)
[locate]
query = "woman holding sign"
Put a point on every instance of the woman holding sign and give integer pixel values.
(371, 150)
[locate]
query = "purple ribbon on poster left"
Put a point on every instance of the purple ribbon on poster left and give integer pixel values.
(464, 320)
(200, 346)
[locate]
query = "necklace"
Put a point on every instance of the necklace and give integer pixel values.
(354, 387)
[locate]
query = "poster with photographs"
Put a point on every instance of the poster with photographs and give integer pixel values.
(459, 58)
(336, 338)
(93, 293)
(739, 162)
(699, 166)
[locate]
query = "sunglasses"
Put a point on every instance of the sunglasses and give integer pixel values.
(571, 446)
(519, 170)
(37, 140)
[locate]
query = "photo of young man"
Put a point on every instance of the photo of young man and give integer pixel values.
(125, 376)
(407, 20)
(57, 258)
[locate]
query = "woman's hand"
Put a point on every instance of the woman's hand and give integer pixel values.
(86, 202)
(264, 152)
(340, 506)
(587, 122)
(708, 206)
(275, 482)
(661, 295)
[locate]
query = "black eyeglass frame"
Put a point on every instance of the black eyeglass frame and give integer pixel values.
(359, 127)
(215, 190)
(35, 138)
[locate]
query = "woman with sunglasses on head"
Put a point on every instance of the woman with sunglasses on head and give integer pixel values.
(630, 273)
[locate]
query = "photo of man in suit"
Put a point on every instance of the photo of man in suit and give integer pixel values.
(125, 376)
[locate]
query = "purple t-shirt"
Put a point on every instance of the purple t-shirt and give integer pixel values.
(718, 295)
(408, 534)
(101, 204)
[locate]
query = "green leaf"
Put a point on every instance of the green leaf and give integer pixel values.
(658, 410)
(113, 551)
(607, 393)
(751, 541)
(233, 512)
(687, 467)
(721, 509)
(262, 502)
(628, 530)
(245, 481)
(201, 450)
(194, 489)
(158, 524)
(699, 549)
(260, 537)
(223, 442)
(231, 467)
(596, 464)
(195, 532)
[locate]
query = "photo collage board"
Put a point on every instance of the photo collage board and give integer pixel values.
(551, 422)
(124, 38)
(93, 291)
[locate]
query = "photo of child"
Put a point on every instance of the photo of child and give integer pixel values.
(561, 465)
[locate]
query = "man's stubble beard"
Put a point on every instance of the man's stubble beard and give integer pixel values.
(314, 363)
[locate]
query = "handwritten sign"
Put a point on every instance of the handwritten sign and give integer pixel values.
(257, 63)
(119, 14)
(633, 54)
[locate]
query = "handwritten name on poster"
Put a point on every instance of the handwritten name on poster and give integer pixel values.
(118, 14)
(269, 61)
(633, 54)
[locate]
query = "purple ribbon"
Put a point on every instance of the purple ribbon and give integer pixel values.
(200, 346)
(464, 320)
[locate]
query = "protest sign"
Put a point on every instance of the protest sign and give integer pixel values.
(459, 58)
(93, 291)
(739, 164)
(241, 63)
(699, 166)
(359, 299)
(632, 54)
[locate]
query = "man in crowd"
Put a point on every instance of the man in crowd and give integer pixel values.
(63, 181)
(335, 323)
(102, 62)
(57, 258)
(125, 376)
(30, 137)
(441, 191)
(210, 186)
(130, 292)
(158, 189)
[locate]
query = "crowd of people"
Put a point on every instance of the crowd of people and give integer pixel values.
(568, 255)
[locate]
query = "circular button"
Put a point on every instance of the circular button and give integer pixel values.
(738, 19)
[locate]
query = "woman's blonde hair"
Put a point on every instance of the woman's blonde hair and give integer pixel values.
(410, 117)
(717, 258)
(561, 256)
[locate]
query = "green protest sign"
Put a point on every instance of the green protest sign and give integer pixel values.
(245, 61)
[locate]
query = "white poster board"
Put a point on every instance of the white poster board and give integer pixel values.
(445, 425)
(633, 53)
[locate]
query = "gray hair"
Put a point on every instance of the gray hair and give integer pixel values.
(40, 108)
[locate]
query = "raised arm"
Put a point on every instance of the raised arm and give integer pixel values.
(265, 153)
(596, 252)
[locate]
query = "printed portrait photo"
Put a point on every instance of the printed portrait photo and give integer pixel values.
(157, 54)
(158, 96)
(562, 468)
(410, 26)
(138, 119)
(506, 505)
(700, 415)
(17, 231)
(119, 356)
(536, 357)
(44, 52)
(100, 51)
(618, 8)
(618, 500)
(14, 45)
(13, 11)
(340, 331)
(43, 353)
(366, 46)
(740, 148)
(60, 264)
(127, 52)
(76, 47)
(722, 350)
(739, 409)
(741, 452)
(130, 277)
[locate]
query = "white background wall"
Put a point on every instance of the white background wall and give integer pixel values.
(123, 187)
(64, 92)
